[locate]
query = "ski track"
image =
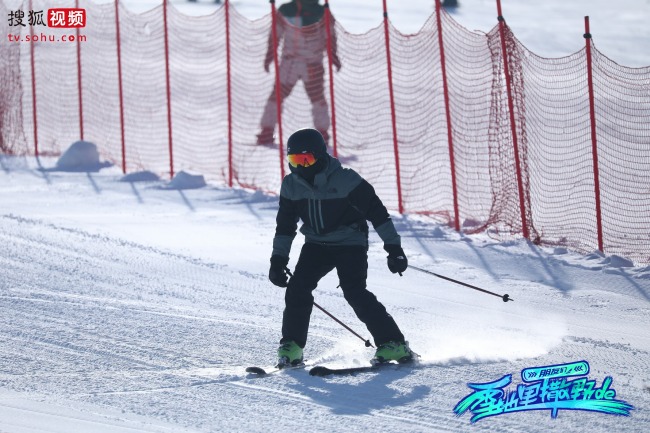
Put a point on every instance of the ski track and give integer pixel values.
(113, 325)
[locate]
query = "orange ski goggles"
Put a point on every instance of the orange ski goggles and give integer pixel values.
(301, 159)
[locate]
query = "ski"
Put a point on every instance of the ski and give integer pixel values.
(321, 370)
(265, 371)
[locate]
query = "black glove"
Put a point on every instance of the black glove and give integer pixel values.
(278, 272)
(397, 262)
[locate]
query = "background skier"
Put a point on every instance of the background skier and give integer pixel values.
(302, 30)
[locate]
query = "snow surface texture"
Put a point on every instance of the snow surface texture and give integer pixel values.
(127, 306)
(128, 303)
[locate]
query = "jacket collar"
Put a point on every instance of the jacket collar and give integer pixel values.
(320, 180)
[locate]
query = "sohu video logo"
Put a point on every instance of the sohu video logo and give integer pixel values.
(546, 388)
(64, 18)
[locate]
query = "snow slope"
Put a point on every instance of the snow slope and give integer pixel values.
(135, 307)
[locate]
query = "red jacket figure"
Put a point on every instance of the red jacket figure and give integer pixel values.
(301, 31)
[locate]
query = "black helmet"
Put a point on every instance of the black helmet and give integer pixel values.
(308, 140)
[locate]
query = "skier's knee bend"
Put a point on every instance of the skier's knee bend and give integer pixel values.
(298, 296)
(364, 304)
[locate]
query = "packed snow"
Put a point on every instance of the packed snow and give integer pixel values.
(134, 303)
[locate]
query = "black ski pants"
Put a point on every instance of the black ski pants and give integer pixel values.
(351, 263)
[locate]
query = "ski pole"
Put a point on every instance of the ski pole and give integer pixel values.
(505, 297)
(367, 342)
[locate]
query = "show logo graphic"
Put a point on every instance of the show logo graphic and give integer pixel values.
(552, 387)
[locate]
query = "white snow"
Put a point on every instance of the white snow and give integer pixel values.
(185, 180)
(129, 306)
(80, 156)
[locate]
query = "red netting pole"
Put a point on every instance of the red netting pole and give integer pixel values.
(278, 89)
(169, 93)
(450, 137)
(229, 90)
(79, 82)
(513, 126)
(329, 58)
(594, 140)
(33, 66)
(119, 81)
(392, 110)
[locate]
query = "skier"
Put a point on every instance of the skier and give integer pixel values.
(302, 28)
(334, 204)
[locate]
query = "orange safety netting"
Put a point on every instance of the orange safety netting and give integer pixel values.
(157, 98)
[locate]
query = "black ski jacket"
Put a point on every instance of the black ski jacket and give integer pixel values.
(334, 210)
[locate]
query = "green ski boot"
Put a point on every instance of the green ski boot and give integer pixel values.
(393, 351)
(289, 354)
